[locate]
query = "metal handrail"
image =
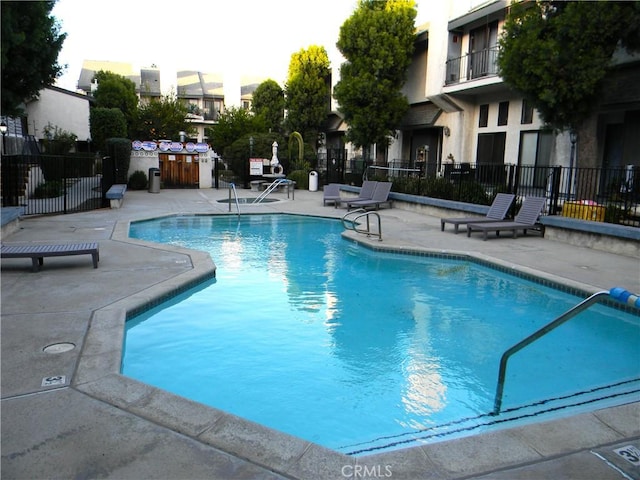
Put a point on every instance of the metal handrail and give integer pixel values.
(617, 293)
(275, 184)
(352, 224)
(365, 174)
(232, 188)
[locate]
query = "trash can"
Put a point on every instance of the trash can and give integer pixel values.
(313, 181)
(154, 180)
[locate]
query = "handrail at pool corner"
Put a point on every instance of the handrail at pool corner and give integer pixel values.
(616, 293)
(363, 213)
(232, 188)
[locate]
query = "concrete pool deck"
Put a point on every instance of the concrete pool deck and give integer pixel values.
(67, 413)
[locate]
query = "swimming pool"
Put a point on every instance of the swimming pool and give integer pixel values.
(363, 351)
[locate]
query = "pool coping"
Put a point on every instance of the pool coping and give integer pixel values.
(98, 375)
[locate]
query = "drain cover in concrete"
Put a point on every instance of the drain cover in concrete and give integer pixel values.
(55, 380)
(59, 347)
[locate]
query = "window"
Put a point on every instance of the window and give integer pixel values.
(209, 110)
(491, 148)
(503, 113)
(527, 113)
(535, 151)
(483, 119)
(483, 43)
(218, 107)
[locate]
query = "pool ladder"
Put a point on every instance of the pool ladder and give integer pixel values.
(617, 293)
(353, 224)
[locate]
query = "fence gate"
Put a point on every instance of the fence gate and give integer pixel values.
(179, 170)
(51, 184)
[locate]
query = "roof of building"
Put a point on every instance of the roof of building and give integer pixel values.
(198, 84)
(147, 80)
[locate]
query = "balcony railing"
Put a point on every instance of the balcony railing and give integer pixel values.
(471, 66)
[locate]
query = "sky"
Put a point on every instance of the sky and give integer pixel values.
(233, 38)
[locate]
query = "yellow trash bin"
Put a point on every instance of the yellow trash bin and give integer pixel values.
(584, 211)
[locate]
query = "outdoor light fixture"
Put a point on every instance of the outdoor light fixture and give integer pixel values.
(573, 137)
(3, 130)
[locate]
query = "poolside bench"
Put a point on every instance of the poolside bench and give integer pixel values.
(256, 185)
(115, 194)
(38, 252)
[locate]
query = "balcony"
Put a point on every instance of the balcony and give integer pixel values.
(472, 66)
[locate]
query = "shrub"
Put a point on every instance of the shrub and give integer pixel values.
(409, 185)
(58, 141)
(301, 177)
(473, 192)
(439, 188)
(613, 214)
(138, 180)
(50, 189)
(106, 123)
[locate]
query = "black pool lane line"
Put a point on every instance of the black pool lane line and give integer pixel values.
(417, 434)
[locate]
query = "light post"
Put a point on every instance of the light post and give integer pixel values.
(573, 138)
(3, 130)
(246, 183)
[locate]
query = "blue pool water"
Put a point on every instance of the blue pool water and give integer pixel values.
(363, 351)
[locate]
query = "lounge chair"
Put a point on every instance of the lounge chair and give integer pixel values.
(496, 213)
(331, 193)
(526, 219)
(380, 196)
(37, 252)
(366, 193)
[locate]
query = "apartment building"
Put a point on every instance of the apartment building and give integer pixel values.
(461, 110)
(146, 80)
(203, 94)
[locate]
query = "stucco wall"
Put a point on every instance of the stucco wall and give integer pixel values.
(144, 160)
(68, 111)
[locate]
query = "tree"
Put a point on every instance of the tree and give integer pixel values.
(162, 118)
(116, 91)
(106, 123)
(268, 103)
(377, 42)
(308, 92)
(31, 42)
(233, 124)
(238, 152)
(556, 54)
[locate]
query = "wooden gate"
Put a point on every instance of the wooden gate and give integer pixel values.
(179, 170)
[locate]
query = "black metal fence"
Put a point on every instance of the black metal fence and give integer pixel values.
(52, 184)
(335, 166)
(599, 194)
(73, 183)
